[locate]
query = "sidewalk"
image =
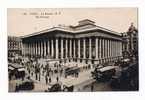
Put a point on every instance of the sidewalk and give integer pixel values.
(83, 78)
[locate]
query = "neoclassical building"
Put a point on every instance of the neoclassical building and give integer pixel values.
(86, 42)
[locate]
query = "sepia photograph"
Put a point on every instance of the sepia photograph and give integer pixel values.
(72, 49)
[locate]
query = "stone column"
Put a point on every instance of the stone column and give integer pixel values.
(74, 48)
(61, 48)
(33, 50)
(30, 49)
(106, 49)
(48, 48)
(103, 50)
(41, 48)
(66, 48)
(70, 48)
(78, 48)
(84, 48)
(27, 48)
(23, 49)
(36, 53)
(108, 55)
(56, 47)
(90, 48)
(37, 48)
(31, 46)
(44, 48)
(100, 48)
(114, 49)
(52, 49)
(117, 48)
(96, 47)
(109, 48)
(121, 46)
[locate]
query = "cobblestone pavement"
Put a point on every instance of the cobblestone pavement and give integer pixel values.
(41, 86)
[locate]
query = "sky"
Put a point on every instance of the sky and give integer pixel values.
(24, 21)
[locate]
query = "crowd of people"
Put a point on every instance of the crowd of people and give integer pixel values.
(48, 71)
(51, 71)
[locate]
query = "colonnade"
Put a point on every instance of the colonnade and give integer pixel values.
(65, 48)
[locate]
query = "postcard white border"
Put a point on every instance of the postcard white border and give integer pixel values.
(4, 4)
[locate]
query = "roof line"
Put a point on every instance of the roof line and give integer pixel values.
(70, 31)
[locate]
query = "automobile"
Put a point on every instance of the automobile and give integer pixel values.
(25, 85)
(104, 73)
(16, 70)
(55, 88)
(125, 62)
(71, 71)
(68, 88)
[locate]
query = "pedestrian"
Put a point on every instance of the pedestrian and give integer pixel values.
(32, 74)
(57, 78)
(61, 72)
(52, 72)
(92, 87)
(36, 76)
(29, 70)
(39, 76)
(46, 79)
(65, 75)
(49, 79)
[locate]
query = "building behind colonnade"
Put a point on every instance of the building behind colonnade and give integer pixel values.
(86, 42)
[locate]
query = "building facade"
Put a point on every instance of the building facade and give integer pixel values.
(132, 34)
(85, 43)
(130, 41)
(14, 46)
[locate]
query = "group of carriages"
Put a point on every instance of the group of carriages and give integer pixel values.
(17, 72)
(127, 71)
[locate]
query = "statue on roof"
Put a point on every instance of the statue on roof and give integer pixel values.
(132, 29)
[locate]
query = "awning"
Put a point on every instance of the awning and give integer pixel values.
(15, 65)
(10, 68)
(126, 60)
(21, 69)
(107, 68)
